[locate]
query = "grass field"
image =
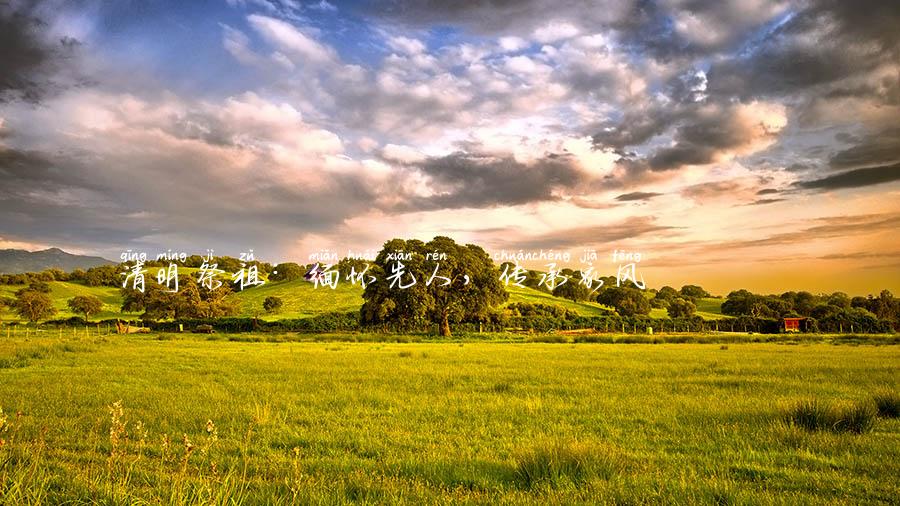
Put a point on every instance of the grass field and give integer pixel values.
(708, 309)
(301, 299)
(518, 294)
(62, 291)
(214, 421)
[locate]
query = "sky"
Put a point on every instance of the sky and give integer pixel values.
(733, 144)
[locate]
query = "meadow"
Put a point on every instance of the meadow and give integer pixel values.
(190, 419)
(302, 300)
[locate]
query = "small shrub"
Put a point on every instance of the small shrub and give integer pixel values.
(594, 338)
(501, 388)
(547, 338)
(809, 415)
(887, 403)
(405, 354)
(814, 415)
(557, 464)
(552, 464)
(856, 418)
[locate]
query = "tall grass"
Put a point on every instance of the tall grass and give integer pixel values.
(816, 415)
(221, 422)
(554, 464)
(888, 403)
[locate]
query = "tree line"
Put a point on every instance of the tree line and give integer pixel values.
(462, 286)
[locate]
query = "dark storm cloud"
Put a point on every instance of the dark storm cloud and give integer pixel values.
(61, 199)
(761, 202)
(854, 178)
(629, 197)
(846, 137)
(799, 167)
(880, 148)
(767, 191)
(816, 51)
(636, 127)
(28, 59)
(46, 198)
(850, 38)
(703, 134)
(473, 180)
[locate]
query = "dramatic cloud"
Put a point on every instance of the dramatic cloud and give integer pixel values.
(825, 49)
(880, 148)
(854, 178)
(629, 197)
(29, 58)
(471, 180)
(667, 124)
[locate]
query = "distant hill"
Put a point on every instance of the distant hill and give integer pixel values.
(15, 261)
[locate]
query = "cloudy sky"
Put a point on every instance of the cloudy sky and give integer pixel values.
(734, 143)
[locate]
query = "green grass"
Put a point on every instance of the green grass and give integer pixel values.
(530, 295)
(301, 299)
(708, 308)
(485, 423)
(62, 291)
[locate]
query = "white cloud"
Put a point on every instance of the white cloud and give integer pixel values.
(512, 44)
(237, 44)
(554, 32)
(291, 40)
(402, 154)
(406, 45)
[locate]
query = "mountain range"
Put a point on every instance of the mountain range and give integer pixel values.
(15, 261)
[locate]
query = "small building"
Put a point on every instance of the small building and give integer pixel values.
(794, 324)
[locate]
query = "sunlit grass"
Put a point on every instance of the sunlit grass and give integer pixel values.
(489, 423)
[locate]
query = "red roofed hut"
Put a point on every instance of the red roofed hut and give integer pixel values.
(794, 324)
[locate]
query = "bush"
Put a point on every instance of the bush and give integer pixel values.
(272, 304)
(856, 418)
(553, 464)
(809, 415)
(287, 271)
(547, 338)
(887, 403)
(814, 415)
(594, 338)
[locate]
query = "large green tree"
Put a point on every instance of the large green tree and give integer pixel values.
(88, 305)
(626, 301)
(33, 305)
(191, 301)
(287, 271)
(573, 290)
(462, 284)
(681, 308)
(272, 304)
